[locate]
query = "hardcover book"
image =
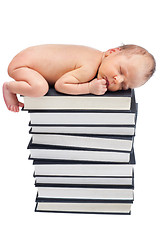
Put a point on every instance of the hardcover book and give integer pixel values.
(120, 100)
(88, 181)
(89, 118)
(84, 207)
(41, 151)
(85, 193)
(84, 141)
(125, 130)
(82, 169)
(82, 151)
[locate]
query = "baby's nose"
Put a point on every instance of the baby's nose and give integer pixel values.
(118, 79)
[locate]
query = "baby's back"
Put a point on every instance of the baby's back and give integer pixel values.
(52, 60)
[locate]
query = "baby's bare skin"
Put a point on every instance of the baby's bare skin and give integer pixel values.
(71, 69)
(53, 61)
(38, 66)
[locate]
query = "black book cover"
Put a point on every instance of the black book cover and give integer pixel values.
(122, 93)
(85, 185)
(40, 199)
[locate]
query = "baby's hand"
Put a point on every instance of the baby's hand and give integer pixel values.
(98, 86)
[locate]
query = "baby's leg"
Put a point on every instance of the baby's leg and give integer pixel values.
(28, 82)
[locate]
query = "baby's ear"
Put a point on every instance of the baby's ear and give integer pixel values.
(110, 51)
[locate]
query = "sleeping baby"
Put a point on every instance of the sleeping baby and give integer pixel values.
(75, 70)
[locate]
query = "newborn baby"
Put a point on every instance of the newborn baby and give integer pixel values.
(75, 70)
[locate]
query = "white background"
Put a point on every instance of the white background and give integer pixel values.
(103, 25)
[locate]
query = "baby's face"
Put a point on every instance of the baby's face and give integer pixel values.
(122, 72)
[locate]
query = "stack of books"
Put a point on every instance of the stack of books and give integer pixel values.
(82, 151)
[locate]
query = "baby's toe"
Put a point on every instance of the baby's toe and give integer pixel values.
(16, 109)
(9, 107)
(12, 108)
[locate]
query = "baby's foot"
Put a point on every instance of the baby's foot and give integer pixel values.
(98, 86)
(11, 99)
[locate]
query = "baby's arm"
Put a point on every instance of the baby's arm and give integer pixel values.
(79, 81)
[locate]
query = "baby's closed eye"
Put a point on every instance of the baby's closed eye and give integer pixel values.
(120, 71)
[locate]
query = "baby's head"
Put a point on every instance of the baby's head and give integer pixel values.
(128, 66)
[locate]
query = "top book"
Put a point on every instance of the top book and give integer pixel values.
(53, 100)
